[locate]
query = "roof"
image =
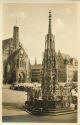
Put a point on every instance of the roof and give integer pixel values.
(65, 56)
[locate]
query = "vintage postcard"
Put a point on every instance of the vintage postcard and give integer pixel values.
(40, 53)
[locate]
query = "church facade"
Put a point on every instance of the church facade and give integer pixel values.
(16, 63)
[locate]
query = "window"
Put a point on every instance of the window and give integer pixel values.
(17, 62)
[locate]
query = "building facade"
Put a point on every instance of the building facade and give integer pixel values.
(36, 72)
(67, 68)
(61, 68)
(72, 71)
(16, 64)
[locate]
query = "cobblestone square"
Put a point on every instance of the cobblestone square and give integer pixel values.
(13, 111)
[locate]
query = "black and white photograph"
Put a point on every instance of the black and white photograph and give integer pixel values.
(40, 52)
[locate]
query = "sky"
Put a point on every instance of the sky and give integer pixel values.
(32, 20)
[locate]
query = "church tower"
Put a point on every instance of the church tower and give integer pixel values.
(49, 72)
(16, 36)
